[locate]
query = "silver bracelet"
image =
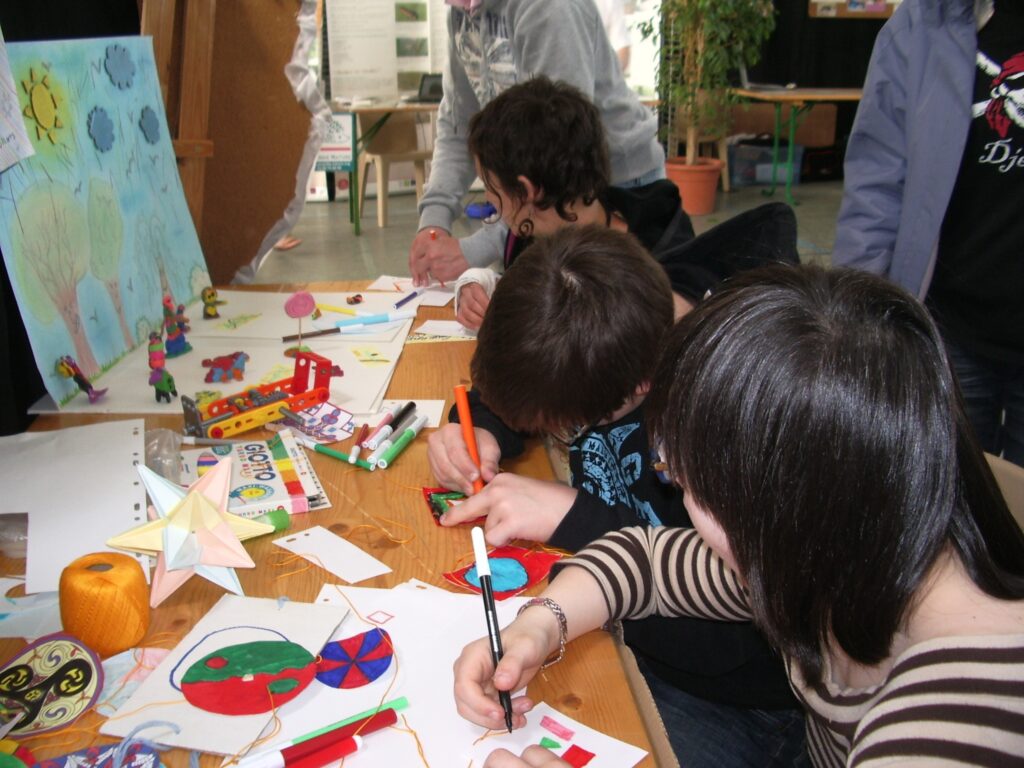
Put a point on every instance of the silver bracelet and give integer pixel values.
(563, 625)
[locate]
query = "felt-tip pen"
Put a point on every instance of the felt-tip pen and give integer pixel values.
(387, 427)
(407, 298)
(407, 436)
(483, 571)
(357, 444)
(313, 445)
(383, 317)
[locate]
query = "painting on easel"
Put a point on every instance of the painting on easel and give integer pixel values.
(94, 227)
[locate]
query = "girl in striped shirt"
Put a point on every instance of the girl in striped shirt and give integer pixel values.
(840, 502)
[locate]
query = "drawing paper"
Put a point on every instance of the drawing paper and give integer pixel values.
(333, 553)
(231, 621)
(79, 487)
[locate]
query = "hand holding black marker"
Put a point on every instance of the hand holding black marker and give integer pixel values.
(483, 571)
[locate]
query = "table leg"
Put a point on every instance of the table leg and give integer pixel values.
(775, 149)
(353, 194)
(793, 112)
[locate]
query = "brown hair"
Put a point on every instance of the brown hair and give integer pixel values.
(572, 331)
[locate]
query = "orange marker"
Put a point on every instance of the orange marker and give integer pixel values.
(466, 420)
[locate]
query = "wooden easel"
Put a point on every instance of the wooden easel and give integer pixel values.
(182, 32)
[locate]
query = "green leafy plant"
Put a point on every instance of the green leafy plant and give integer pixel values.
(702, 41)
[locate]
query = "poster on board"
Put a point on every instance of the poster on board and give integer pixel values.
(94, 227)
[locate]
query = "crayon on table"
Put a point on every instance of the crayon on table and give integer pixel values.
(468, 435)
(407, 436)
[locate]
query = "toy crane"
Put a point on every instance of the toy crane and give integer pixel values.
(255, 406)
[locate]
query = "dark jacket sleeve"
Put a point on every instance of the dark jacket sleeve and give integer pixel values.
(509, 441)
(588, 519)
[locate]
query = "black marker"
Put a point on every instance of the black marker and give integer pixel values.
(483, 571)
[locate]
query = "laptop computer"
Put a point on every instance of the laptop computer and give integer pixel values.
(430, 91)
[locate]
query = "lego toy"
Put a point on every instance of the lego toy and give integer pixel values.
(67, 367)
(254, 407)
(210, 303)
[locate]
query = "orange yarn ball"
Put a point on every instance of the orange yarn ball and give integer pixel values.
(104, 602)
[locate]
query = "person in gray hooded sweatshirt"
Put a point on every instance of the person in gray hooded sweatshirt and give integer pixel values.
(493, 44)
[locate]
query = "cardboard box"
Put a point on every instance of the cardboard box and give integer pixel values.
(751, 163)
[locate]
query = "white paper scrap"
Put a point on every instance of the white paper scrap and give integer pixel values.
(332, 553)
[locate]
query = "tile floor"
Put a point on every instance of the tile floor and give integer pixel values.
(330, 251)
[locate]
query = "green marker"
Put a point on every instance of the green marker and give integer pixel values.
(312, 444)
(399, 445)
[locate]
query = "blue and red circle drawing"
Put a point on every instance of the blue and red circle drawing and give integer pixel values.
(355, 661)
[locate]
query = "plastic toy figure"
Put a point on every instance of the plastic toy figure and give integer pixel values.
(67, 367)
(210, 303)
(176, 344)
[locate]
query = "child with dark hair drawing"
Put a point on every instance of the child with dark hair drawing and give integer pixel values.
(568, 347)
(839, 500)
(540, 150)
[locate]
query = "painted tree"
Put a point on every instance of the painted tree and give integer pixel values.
(51, 242)
(106, 238)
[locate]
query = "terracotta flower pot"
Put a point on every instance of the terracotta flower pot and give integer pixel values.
(697, 183)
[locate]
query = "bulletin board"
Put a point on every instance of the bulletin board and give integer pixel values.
(852, 9)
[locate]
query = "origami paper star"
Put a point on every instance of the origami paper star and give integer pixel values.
(194, 534)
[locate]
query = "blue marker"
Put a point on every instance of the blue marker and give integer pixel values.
(406, 299)
(384, 317)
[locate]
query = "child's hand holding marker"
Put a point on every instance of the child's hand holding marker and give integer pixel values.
(450, 460)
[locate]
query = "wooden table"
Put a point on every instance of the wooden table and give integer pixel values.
(800, 101)
(589, 685)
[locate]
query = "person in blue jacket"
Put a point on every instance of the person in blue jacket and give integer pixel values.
(934, 176)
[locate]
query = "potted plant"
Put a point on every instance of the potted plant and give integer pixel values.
(702, 41)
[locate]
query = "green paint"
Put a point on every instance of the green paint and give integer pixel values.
(260, 657)
(549, 743)
(284, 685)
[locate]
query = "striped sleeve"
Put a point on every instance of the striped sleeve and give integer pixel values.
(960, 704)
(663, 571)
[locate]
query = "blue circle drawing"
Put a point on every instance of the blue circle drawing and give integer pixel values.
(101, 129)
(119, 65)
(507, 575)
(150, 125)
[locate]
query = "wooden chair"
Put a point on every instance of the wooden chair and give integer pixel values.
(395, 141)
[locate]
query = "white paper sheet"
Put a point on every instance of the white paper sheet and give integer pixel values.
(30, 617)
(361, 388)
(446, 328)
(79, 487)
(546, 722)
(14, 141)
(231, 621)
(436, 295)
(333, 553)
(428, 628)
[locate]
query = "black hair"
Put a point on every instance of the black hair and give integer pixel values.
(549, 132)
(813, 414)
(572, 331)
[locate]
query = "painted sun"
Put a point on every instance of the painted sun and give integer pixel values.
(42, 106)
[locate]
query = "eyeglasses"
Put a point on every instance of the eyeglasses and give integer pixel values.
(567, 436)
